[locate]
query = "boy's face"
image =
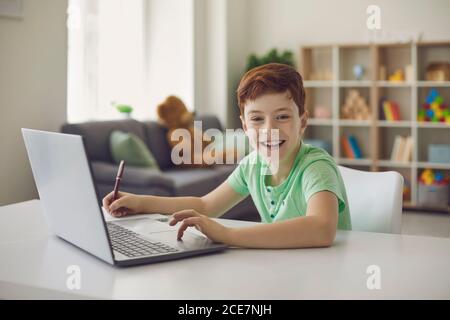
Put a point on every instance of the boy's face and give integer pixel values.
(273, 111)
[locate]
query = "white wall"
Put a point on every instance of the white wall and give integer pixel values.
(255, 26)
(291, 23)
(210, 58)
(170, 50)
(33, 53)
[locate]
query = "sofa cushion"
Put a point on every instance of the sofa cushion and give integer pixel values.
(156, 139)
(96, 135)
(130, 148)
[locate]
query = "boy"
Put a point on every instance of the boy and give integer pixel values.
(302, 202)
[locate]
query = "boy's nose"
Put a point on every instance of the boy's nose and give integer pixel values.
(269, 133)
(269, 124)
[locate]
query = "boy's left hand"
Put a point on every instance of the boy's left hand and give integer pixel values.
(191, 218)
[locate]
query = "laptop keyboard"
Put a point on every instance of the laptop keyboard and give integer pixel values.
(130, 244)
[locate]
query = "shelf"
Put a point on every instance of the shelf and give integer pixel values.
(433, 125)
(320, 122)
(317, 84)
(355, 83)
(393, 84)
(433, 83)
(354, 123)
(433, 165)
(394, 164)
(329, 76)
(355, 162)
(410, 206)
(394, 124)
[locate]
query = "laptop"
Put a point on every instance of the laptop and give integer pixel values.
(73, 211)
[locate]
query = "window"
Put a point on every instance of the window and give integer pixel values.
(133, 52)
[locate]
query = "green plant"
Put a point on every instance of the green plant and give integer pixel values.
(122, 108)
(286, 57)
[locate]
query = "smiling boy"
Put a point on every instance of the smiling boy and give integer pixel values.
(301, 202)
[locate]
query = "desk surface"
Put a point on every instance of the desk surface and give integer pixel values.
(34, 265)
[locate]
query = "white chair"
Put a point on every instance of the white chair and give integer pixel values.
(375, 199)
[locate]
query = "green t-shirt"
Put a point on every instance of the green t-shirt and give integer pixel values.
(313, 170)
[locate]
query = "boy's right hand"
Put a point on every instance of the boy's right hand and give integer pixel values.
(125, 204)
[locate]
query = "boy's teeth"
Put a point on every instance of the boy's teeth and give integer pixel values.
(272, 144)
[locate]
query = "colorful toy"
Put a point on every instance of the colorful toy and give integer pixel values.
(434, 109)
(397, 76)
(429, 177)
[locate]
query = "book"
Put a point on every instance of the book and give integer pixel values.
(387, 111)
(402, 149)
(355, 147)
(406, 156)
(397, 149)
(395, 111)
(390, 111)
(381, 108)
(348, 152)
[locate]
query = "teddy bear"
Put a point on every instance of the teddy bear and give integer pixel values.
(173, 114)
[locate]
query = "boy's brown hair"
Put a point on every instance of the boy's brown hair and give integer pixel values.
(271, 78)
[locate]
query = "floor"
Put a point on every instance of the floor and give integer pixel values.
(426, 224)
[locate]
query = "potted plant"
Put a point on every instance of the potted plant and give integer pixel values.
(286, 57)
(124, 109)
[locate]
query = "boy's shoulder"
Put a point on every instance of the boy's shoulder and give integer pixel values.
(313, 151)
(316, 155)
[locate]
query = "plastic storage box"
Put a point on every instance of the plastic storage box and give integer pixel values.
(439, 153)
(433, 195)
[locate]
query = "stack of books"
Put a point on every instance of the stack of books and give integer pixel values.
(351, 147)
(390, 111)
(402, 149)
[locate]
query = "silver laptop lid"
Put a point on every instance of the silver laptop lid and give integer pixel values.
(68, 195)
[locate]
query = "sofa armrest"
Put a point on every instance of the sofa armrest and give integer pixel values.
(132, 176)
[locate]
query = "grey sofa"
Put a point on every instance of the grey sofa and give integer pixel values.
(170, 181)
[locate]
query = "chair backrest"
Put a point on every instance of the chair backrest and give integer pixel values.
(375, 199)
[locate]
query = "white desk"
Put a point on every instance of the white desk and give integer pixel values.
(33, 265)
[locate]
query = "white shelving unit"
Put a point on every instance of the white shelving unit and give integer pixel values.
(375, 136)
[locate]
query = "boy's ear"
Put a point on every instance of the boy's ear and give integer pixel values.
(303, 122)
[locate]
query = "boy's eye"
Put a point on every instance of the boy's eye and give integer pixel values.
(256, 119)
(283, 117)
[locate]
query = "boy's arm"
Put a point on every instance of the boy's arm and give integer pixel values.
(316, 229)
(214, 204)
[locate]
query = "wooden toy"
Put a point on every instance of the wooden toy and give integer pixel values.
(355, 107)
(438, 71)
